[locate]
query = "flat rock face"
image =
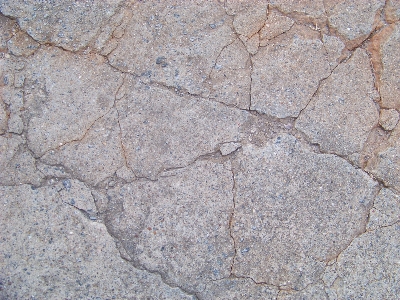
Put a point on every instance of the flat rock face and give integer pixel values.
(353, 19)
(162, 129)
(174, 44)
(294, 210)
(199, 149)
(287, 73)
(342, 112)
(177, 226)
(68, 24)
(390, 87)
(386, 163)
(376, 256)
(64, 95)
(53, 251)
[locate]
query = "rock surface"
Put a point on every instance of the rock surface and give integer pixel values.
(199, 149)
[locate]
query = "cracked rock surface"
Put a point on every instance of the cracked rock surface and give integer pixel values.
(199, 149)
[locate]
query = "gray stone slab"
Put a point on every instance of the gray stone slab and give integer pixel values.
(294, 211)
(50, 250)
(65, 94)
(238, 288)
(177, 47)
(68, 24)
(369, 267)
(287, 72)
(386, 209)
(177, 226)
(385, 165)
(161, 129)
(230, 78)
(102, 142)
(353, 19)
(390, 83)
(342, 112)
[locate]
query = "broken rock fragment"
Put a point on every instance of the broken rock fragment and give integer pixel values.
(369, 267)
(294, 211)
(390, 77)
(386, 210)
(97, 156)
(177, 226)
(52, 250)
(176, 45)
(388, 118)
(287, 72)
(162, 130)
(230, 77)
(65, 94)
(342, 113)
(386, 164)
(354, 20)
(68, 24)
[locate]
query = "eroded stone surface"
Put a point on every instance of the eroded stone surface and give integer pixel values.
(227, 289)
(353, 19)
(275, 25)
(334, 47)
(17, 165)
(250, 20)
(230, 77)
(295, 210)
(22, 44)
(102, 141)
(179, 225)
(162, 130)
(310, 8)
(369, 267)
(342, 113)
(174, 44)
(390, 78)
(64, 95)
(69, 24)
(53, 251)
(191, 160)
(287, 73)
(388, 118)
(386, 164)
(313, 292)
(392, 10)
(386, 210)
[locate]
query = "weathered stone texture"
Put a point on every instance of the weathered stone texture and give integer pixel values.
(64, 95)
(390, 78)
(369, 267)
(102, 142)
(295, 210)
(287, 73)
(176, 45)
(342, 113)
(230, 77)
(386, 210)
(68, 24)
(52, 251)
(161, 129)
(179, 225)
(386, 164)
(353, 19)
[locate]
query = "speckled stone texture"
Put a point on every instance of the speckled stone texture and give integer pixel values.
(205, 149)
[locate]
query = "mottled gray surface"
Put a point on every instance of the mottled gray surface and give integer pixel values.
(199, 149)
